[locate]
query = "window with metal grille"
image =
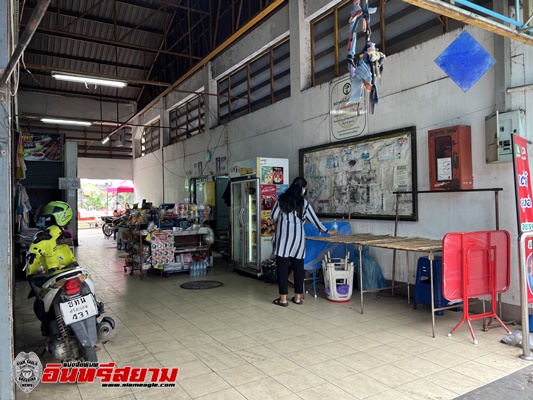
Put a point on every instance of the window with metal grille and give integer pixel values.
(187, 119)
(150, 141)
(258, 83)
(329, 34)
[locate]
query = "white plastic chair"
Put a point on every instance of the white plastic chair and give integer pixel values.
(338, 277)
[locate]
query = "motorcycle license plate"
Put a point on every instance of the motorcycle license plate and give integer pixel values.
(78, 309)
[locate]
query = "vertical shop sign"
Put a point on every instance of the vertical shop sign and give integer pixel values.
(268, 198)
(524, 204)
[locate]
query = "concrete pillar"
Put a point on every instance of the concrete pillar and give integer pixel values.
(70, 155)
(6, 216)
(300, 47)
(210, 101)
(164, 140)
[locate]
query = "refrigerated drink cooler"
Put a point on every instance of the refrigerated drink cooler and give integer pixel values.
(255, 186)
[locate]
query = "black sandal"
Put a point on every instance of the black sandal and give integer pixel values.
(297, 302)
(279, 303)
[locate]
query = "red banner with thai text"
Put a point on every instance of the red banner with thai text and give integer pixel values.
(524, 209)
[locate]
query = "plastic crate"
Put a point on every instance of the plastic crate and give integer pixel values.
(423, 284)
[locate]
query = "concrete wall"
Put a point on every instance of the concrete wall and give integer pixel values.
(413, 91)
(101, 168)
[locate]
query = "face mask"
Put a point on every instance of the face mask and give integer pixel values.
(303, 192)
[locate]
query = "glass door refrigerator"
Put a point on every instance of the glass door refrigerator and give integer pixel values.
(255, 185)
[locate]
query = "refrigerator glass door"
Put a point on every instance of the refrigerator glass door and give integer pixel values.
(251, 218)
(237, 222)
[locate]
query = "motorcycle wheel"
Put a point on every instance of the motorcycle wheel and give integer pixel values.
(107, 228)
(89, 354)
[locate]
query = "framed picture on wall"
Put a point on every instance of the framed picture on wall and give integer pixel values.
(359, 177)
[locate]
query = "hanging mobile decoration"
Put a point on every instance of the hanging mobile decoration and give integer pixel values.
(367, 66)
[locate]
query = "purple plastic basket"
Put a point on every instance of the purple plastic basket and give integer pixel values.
(343, 289)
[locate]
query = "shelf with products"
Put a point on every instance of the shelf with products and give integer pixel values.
(188, 247)
(138, 248)
(166, 251)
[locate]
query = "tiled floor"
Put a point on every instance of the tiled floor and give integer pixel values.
(232, 343)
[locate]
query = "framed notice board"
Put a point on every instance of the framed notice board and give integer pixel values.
(357, 177)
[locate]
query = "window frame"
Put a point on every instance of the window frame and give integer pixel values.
(148, 136)
(227, 110)
(179, 131)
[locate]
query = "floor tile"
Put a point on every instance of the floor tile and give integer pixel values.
(227, 394)
(241, 374)
(299, 379)
(276, 365)
(264, 389)
(391, 375)
(326, 391)
(203, 384)
(424, 389)
(331, 370)
(218, 362)
(233, 343)
(418, 366)
(361, 386)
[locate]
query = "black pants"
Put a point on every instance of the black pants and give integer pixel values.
(284, 265)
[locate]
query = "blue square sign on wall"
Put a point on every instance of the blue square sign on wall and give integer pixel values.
(465, 61)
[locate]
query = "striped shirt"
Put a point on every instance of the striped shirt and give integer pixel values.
(289, 238)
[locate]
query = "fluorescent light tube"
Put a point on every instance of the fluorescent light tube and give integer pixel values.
(62, 76)
(107, 123)
(105, 140)
(65, 121)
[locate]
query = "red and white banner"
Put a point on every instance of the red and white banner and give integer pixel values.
(524, 202)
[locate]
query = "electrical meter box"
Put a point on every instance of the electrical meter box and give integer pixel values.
(498, 130)
(450, 158)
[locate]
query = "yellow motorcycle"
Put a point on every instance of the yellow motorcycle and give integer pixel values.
(65, 300)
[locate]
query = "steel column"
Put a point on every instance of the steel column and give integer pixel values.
(6, 215)
(31, 27)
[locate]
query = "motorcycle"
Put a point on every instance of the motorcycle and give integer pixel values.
(111, 224)
(65, 300)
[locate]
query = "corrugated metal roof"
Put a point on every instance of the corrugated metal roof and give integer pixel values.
(148, 40)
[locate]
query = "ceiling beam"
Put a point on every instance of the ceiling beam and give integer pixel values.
(470, 18)
(173, 4)
(105, 21)
(161, 45)
(49, 69)
(260, 17)
(92, 39)
(96, 97)
(61, 57)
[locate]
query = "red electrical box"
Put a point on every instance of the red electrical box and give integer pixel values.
(450, 158)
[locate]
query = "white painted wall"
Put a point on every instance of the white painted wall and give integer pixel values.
(104, 168)
(413, 91)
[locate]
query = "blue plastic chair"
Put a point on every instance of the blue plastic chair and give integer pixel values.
(315, 251)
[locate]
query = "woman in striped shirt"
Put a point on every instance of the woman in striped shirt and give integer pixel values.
(290, 212)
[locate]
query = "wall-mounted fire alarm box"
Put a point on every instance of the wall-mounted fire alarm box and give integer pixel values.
(450, 158)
